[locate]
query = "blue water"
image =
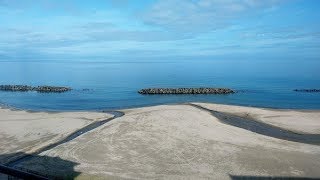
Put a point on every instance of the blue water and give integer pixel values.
(114, 84)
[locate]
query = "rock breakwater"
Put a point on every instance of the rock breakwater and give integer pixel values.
(40, 89)
(186, 91)
(307, 90)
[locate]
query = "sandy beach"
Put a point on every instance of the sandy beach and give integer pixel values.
(26, 132)
(186, 141)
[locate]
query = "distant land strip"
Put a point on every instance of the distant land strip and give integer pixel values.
(41, 89)
(307, 90)
(186, 91)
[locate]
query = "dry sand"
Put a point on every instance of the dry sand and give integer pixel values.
(24, 132)
(183, 142)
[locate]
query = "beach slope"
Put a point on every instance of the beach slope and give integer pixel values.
(189, 142)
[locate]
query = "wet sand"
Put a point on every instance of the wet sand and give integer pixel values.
(206, 141)
(262, 127)
(299, 121)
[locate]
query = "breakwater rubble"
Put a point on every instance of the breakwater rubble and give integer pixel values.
(307, 90)
(186, 91)
(40, 89)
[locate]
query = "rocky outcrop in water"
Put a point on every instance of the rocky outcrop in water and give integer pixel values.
(307, 90)
(41, 89)
(15, 88)
(186, 91)
(46, 89)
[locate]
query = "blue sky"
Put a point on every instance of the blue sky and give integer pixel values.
(159, 28)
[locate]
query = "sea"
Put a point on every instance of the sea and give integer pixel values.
(103, 84)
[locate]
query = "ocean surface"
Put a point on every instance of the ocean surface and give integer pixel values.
(107, 84)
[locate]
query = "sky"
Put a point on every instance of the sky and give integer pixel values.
(53, 29)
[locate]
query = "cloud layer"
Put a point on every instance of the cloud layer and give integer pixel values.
(157, 28)
(202, 15)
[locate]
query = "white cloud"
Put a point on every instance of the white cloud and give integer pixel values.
(179, 27)
(201, 15)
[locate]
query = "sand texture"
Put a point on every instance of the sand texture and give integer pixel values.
(298, 121)
(187, 142)
(23, 132)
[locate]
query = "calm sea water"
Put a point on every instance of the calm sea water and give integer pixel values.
(114, 84)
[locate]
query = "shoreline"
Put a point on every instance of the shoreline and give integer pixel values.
(14, 108)
(122, 110)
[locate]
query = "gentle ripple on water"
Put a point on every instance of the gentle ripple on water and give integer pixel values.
(114, 85)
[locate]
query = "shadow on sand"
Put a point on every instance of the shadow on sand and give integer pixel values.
(41, 167)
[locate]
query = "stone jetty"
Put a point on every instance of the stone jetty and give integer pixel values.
(307, 90)
(41, 89)
(186, 91)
